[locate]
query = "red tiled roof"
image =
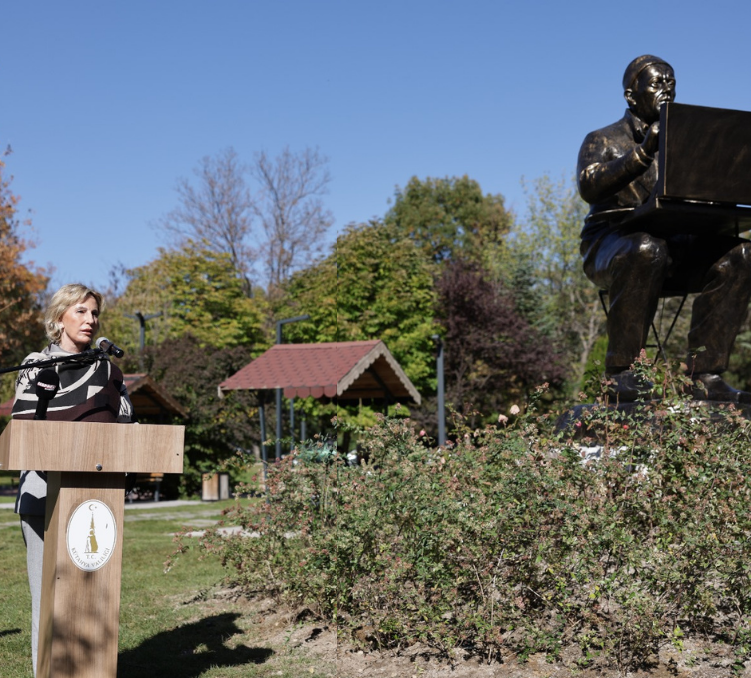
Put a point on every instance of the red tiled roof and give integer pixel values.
(346, 370)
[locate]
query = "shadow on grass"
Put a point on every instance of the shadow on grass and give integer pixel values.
(189, 650)
(9, 632)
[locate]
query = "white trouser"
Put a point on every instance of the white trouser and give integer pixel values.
(33, 534)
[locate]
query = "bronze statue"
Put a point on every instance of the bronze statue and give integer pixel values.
(616, 173)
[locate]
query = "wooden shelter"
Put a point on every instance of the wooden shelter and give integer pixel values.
(345, 371)
(150, 401)
(342, 371)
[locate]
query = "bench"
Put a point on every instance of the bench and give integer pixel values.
(146, 485)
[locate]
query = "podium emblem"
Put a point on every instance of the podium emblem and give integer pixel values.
(91, 535)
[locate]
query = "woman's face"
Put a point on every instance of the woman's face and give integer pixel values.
(80, 324)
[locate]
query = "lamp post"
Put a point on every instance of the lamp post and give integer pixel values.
(141, 318)
(279, 323)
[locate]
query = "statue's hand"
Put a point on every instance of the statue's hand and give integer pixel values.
(651, 139)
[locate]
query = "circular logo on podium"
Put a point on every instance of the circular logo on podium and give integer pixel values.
(91, 535)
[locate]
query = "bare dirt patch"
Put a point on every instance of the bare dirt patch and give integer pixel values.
(297, 632)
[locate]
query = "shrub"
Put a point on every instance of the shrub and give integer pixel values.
(510, 541)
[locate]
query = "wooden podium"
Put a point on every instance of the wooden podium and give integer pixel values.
(83, 534)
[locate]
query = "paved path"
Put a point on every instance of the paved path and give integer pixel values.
(139, 504)
(204, 516)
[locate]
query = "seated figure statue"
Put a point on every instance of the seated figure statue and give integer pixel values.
(616, 173)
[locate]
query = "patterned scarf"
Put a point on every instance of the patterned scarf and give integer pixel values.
(90, 390)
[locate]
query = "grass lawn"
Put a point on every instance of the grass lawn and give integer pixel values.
(8, 485)
(174, 625)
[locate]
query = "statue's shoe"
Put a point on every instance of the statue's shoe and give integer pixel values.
(627, 386)
(714, 387)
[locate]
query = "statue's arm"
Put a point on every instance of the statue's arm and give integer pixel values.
(604, 169)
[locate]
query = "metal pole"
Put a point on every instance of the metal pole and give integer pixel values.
(279, 324)
(441, 391)
(142, 333)
(264, 453)
(278, 447)
(141, 318)
(292, 419)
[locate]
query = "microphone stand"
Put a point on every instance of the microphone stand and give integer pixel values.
(72, 358)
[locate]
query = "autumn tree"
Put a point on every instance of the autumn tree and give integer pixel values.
(450, 217)
(21, 284)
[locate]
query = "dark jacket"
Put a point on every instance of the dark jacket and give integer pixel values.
(89, 391)
(612, 177)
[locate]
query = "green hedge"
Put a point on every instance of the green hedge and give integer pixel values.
(508, 541)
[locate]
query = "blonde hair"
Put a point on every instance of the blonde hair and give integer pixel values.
(62, 300)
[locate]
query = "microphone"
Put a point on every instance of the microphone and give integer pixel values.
(47, 386)
(105, 345)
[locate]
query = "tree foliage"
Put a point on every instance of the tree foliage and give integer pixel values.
(450, 217)
(544, 249)
(493, 356)
(313, 291)
(383, 289)
(198, 291)
(217, 428)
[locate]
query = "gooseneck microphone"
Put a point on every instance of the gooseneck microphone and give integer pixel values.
(47, 386)
(107, 346)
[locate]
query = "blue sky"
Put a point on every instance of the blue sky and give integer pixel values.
(106, 105)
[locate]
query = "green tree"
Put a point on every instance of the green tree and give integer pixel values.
(450, 216)
(376, 285)
(546, 244)
(312, 291)
(198, 291)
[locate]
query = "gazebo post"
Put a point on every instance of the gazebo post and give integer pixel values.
(388, 397)
(279, 340)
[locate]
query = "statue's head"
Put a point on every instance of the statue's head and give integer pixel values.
(648, 83)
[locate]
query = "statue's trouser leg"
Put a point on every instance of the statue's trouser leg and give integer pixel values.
(632, 268)
(720, 309)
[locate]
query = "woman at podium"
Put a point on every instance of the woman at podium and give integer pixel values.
(84, 389)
